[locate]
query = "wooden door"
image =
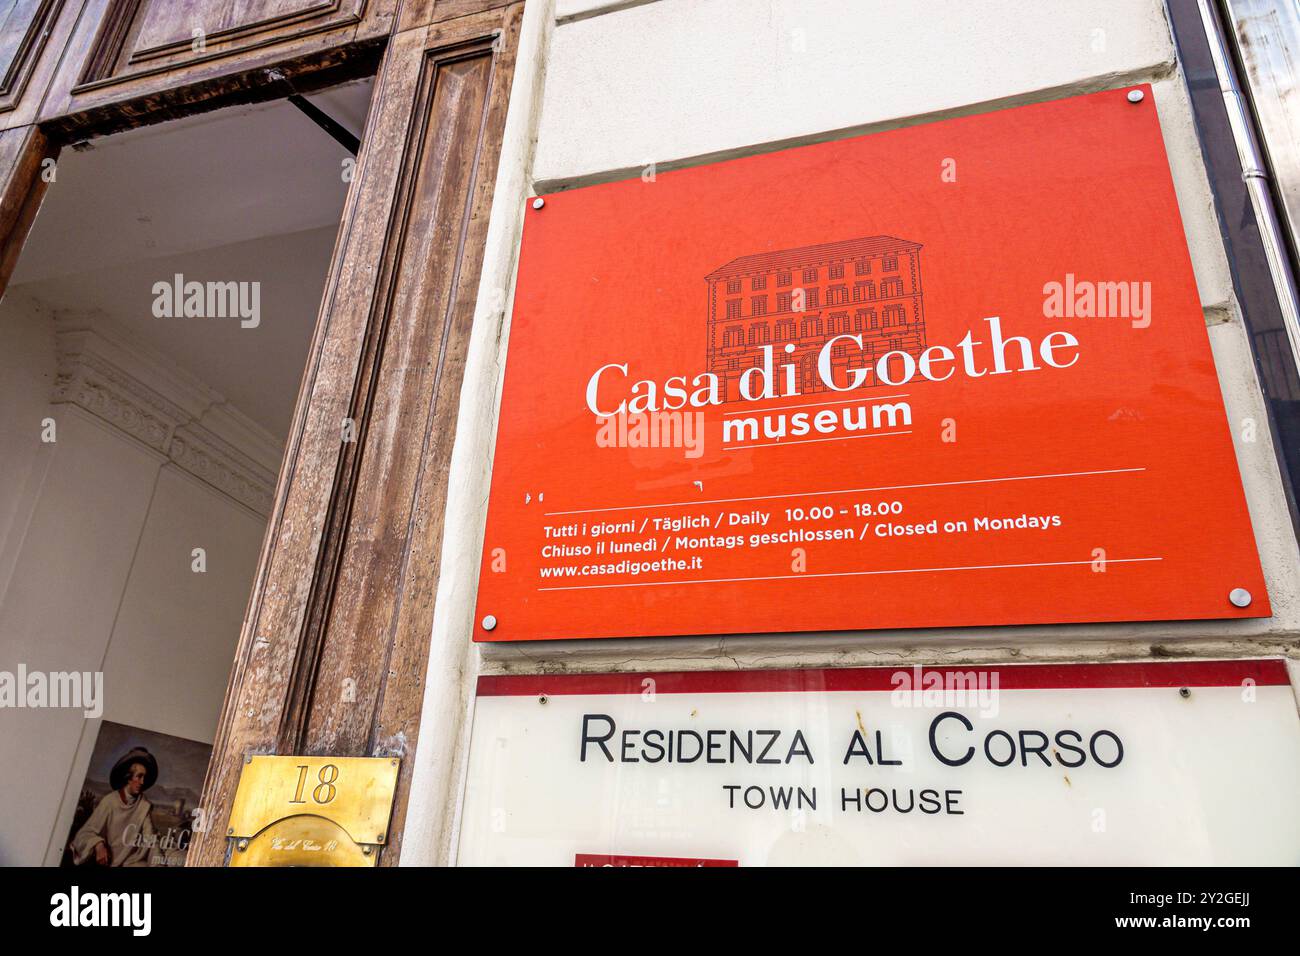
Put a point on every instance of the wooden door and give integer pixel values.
(346, 580)
(335, 644)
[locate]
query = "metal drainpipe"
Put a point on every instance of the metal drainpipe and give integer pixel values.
(1255, 175)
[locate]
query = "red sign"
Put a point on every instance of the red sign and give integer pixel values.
(954, 374)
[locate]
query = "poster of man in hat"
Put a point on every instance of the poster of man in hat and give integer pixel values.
(116, 824)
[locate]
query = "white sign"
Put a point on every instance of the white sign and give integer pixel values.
(1157, 763)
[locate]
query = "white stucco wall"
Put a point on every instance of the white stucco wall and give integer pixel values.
(605, 88)
(96, 575)
(677, 80)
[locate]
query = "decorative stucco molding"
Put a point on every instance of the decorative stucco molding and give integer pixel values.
(145, 395)
(204, 454)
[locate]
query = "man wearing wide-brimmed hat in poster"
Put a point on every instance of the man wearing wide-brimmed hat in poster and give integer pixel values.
(120, 832)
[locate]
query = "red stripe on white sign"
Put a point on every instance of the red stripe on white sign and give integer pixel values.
(1270, 672)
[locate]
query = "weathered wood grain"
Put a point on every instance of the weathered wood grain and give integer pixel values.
(346, 583)
(33, 36)
(349, 567)
(23, 150)
(419, 13)
(139, 57)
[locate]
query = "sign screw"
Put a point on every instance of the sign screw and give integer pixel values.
(1136, 96)
(490, 623)
(1240, 597)
(366, 849)
(543, 699)
(539, 202)
(1184, 692)
(243, 845)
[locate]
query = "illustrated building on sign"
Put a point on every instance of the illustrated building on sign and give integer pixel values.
(806, 296)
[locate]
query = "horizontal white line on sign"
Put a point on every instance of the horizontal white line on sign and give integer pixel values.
(847, 491)
(847, 574)
(809, 441)
(851, 401)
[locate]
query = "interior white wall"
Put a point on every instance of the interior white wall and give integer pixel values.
(174, 639)
(97, 529)
(97, 542)
(27, 370)
(605, 87)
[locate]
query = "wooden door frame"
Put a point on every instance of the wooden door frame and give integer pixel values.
(24, 151)
(331, 596)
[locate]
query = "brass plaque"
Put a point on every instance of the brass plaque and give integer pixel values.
(312, 811)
